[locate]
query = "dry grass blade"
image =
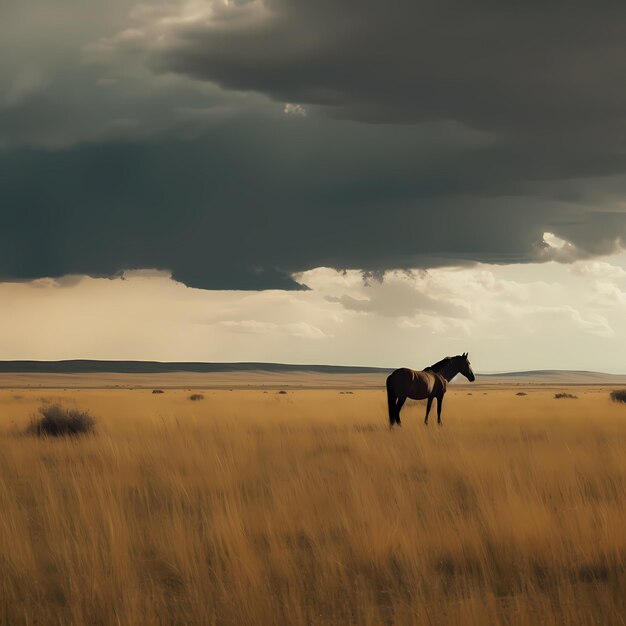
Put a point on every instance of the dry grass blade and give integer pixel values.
(248, 509)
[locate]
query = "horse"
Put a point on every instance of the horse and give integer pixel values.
(430, 383)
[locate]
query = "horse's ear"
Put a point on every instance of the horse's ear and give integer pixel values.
(465, 354)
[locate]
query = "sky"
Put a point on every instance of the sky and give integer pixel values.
(307, 181)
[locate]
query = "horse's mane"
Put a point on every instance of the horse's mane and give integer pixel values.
(439, 365)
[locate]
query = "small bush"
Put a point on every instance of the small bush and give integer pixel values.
(281, 391)
(619, 395)
(55, 421)
(158, 391)
(196, 396)
(569, 396)
(521, 393)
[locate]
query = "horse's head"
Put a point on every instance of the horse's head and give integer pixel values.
(463, 364)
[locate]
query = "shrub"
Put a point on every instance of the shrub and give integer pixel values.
(282, 391)
(55, 421)
(196, 396)
(158, 391)
(521, 393)
(619, 395)
(570, 396)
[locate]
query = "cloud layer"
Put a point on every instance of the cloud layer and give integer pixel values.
(511, 317)
(236, 144)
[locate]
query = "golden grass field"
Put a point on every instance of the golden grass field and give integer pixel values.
(259, 508)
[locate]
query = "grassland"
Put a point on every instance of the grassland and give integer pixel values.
(259, 508)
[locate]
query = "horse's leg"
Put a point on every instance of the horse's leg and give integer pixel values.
(428, 405)
(391, 402)
(399, 405)
(439, 404)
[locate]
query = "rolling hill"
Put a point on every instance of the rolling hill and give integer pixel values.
(92, 373)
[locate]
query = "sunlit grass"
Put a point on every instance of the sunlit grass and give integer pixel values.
(252, 508)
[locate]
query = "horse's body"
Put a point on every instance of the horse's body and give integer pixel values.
(427, 384)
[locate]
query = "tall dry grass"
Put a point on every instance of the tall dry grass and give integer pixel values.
(254, 508)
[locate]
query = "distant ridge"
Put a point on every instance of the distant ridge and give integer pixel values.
(86, 366)
(525, 373)
(556, 377)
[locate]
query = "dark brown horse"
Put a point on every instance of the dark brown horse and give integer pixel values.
(427, 384)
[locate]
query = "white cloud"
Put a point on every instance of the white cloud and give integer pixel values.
(562, 318)
(508, 317)
(294, 109)
(558, 249)
(609, 294)
(598, 269)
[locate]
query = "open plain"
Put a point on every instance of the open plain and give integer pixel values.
(258, 507)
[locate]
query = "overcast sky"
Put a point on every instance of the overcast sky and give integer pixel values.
(377, 183)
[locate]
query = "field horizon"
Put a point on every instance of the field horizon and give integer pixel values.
(93, 373)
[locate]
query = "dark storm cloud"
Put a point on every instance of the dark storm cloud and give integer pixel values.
(436, 133)
(488, 64)
(250, 203)
(545, 77)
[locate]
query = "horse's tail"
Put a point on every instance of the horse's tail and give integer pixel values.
(391, 401)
